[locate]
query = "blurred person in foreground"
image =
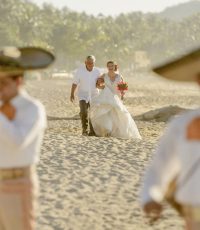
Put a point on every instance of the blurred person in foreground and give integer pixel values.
(22, 125)
(85, 81)
(175, 170)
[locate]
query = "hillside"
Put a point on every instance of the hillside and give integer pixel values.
(181, 11)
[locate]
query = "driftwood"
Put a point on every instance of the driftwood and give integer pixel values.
(161, 114)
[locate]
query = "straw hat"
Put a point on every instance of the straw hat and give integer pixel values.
(15, 60)
(184, 68)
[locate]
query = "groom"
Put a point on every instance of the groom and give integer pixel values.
(85, 81)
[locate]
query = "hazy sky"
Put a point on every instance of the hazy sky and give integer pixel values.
(113, 7)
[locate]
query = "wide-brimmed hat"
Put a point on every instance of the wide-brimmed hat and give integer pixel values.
(183, 68)
(16, 60)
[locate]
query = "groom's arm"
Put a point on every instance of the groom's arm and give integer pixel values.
(75, 82)
(73, 88)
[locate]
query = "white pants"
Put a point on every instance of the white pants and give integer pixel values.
(17, 203)
(192, 217)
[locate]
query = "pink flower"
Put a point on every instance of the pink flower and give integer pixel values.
(122, 86)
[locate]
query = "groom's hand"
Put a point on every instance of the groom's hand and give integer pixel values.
(193, 129)
(72, 98)
(152, 210)
(8, 110)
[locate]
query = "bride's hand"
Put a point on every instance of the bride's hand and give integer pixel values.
(100, 83)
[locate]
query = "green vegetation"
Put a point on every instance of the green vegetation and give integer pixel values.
(72, 36)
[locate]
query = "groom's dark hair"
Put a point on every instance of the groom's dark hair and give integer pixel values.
(114, 63)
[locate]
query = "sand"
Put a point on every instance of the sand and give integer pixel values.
(93, 183)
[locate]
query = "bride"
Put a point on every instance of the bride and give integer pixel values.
(108, 115)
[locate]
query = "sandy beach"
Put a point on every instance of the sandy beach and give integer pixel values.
(92, 183)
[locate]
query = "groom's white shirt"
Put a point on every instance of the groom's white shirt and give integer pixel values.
(86, 82)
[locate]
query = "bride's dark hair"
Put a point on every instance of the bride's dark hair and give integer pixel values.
(114, 63)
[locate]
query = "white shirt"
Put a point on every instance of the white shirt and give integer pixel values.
(21, 138)
(86, 81)
(175, 155)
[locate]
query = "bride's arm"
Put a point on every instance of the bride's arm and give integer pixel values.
(121, 77)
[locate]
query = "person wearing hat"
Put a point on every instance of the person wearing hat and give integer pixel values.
(22, 125)
(86, 80)
(176, 162)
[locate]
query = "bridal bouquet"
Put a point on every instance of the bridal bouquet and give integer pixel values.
(122, 87)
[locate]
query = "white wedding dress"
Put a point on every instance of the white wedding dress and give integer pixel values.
(109, 116)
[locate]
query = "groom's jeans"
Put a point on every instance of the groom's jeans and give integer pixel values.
(84, 114)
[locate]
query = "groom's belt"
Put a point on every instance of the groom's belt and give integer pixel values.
(14, 173)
